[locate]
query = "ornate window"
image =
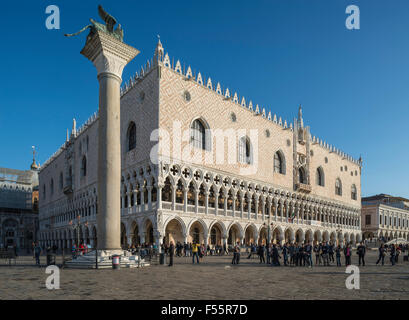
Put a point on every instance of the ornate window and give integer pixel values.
(319, 177)
(301, 176)
(83, 166)
(338, 187)
(61, 182)
(353, 192)
(131, 137)
(198, 134)
(52, 187)
(279, 162)
(245, 150)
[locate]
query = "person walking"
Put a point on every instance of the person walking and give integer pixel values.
(331, 252)
(37, 252)
(195, 252)
(324, 249)
(392, 253)
(285, 254)
(308, 252)
(261, 253)
(171, 251)
(397, 253)
(275, 256)
(382, 253)
(347, 253)
(361, 253)
(317, 254)
(338, 255)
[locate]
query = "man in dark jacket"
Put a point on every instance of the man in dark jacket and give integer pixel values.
(171, 253)
(361, 253)
(382, 253)
(275, 256)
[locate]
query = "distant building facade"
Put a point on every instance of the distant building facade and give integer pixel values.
(19, 207)
(385, 217)
(282, 182)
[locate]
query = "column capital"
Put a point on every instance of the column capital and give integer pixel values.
(108, 54)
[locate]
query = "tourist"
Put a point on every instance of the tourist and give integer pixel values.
(236, 254)
(338, 255)
(261, 252)
(382, 253)
(171, 251)
(285, 254)
(291, 251)
(331, 252)
(308, 251)
(392, 253)
(347, 253)
(317, 252)
(74, 251)
(268, 253)
(195, 252)
(397, 253)
(301, 256)
(37, 252)
(361, 250)
(275, 256)
(324, 249)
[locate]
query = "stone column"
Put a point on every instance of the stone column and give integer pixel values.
(109, 55)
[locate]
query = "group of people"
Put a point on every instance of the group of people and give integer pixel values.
(195, 250)
(394, 251)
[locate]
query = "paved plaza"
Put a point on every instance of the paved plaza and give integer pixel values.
(215, 278)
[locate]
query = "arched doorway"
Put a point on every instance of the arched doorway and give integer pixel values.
(234, 235)
(136, 239)
(262, 239)
(308, 236)
(149, 232)
(216, 235)
(196, 233)
(317, 236)
(124, 242)
(174, 232)
(277, 235)
(250, 235)
(299, 236)
(289, 235)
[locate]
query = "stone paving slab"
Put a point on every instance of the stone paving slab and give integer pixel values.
(215, 278)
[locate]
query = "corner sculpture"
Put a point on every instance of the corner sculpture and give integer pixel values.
(108, 27)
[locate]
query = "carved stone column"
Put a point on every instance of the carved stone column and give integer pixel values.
(110, 56)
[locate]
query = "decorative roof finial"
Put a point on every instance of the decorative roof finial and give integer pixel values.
(300, 120)
(74, 127)
(159, 52)
(34, 165)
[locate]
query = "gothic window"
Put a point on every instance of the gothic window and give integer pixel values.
(319, 176)
(61, 182)
(52, 187)
(83, 166)
(279, 163)
(338, 187)
(245, 150)
(301, 176)
(353, 192)
(44, 191)
(131, 136)
(198, 135)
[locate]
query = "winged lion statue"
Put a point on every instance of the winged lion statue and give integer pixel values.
(108, 27)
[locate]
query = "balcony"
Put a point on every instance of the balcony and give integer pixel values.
(303, 187)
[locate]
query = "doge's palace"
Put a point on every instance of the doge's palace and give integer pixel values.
(202, 163)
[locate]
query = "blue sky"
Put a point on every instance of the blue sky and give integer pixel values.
(353, 84)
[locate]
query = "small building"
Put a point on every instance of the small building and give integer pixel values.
(385, 217)
(18, 207)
